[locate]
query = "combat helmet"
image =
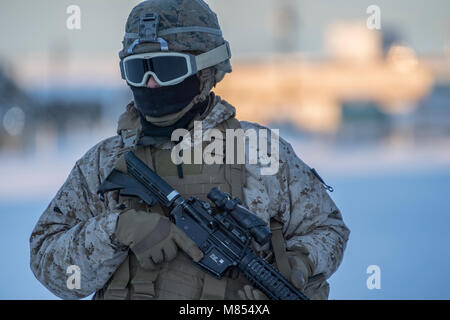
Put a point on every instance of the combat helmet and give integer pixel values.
(177, 26)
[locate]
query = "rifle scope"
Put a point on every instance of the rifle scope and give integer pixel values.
(246, 219)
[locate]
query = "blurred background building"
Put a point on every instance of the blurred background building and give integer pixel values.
(315, 67)
(365, 107)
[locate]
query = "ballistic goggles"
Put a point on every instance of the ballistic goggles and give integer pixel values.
(169, 68)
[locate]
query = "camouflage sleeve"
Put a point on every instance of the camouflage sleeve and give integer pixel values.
(315, 222)
(76, 229)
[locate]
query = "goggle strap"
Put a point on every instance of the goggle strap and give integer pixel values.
(213, 57)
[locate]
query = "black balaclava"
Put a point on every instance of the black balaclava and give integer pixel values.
(150, 130)
(167, 100)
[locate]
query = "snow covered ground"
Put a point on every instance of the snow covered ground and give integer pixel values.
(396, 201)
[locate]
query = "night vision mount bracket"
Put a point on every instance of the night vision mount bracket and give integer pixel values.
(148, 32)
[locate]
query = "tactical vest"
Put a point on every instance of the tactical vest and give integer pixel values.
(180, 278)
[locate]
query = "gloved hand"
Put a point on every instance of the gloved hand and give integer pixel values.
(301, 269)
(153, 238)
(250, 293)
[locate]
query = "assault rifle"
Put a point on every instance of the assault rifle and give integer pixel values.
(224, 236)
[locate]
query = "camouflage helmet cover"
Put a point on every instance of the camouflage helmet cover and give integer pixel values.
(177, 14)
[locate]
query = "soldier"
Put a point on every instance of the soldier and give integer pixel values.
(173, 55)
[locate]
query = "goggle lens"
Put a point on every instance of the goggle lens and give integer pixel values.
(135, 70)
(169, 68)
(166, 68)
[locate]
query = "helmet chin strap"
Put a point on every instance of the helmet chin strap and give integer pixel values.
(150, 131)
(169, 119)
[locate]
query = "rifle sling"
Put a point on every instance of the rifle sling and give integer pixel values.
(279, 248)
